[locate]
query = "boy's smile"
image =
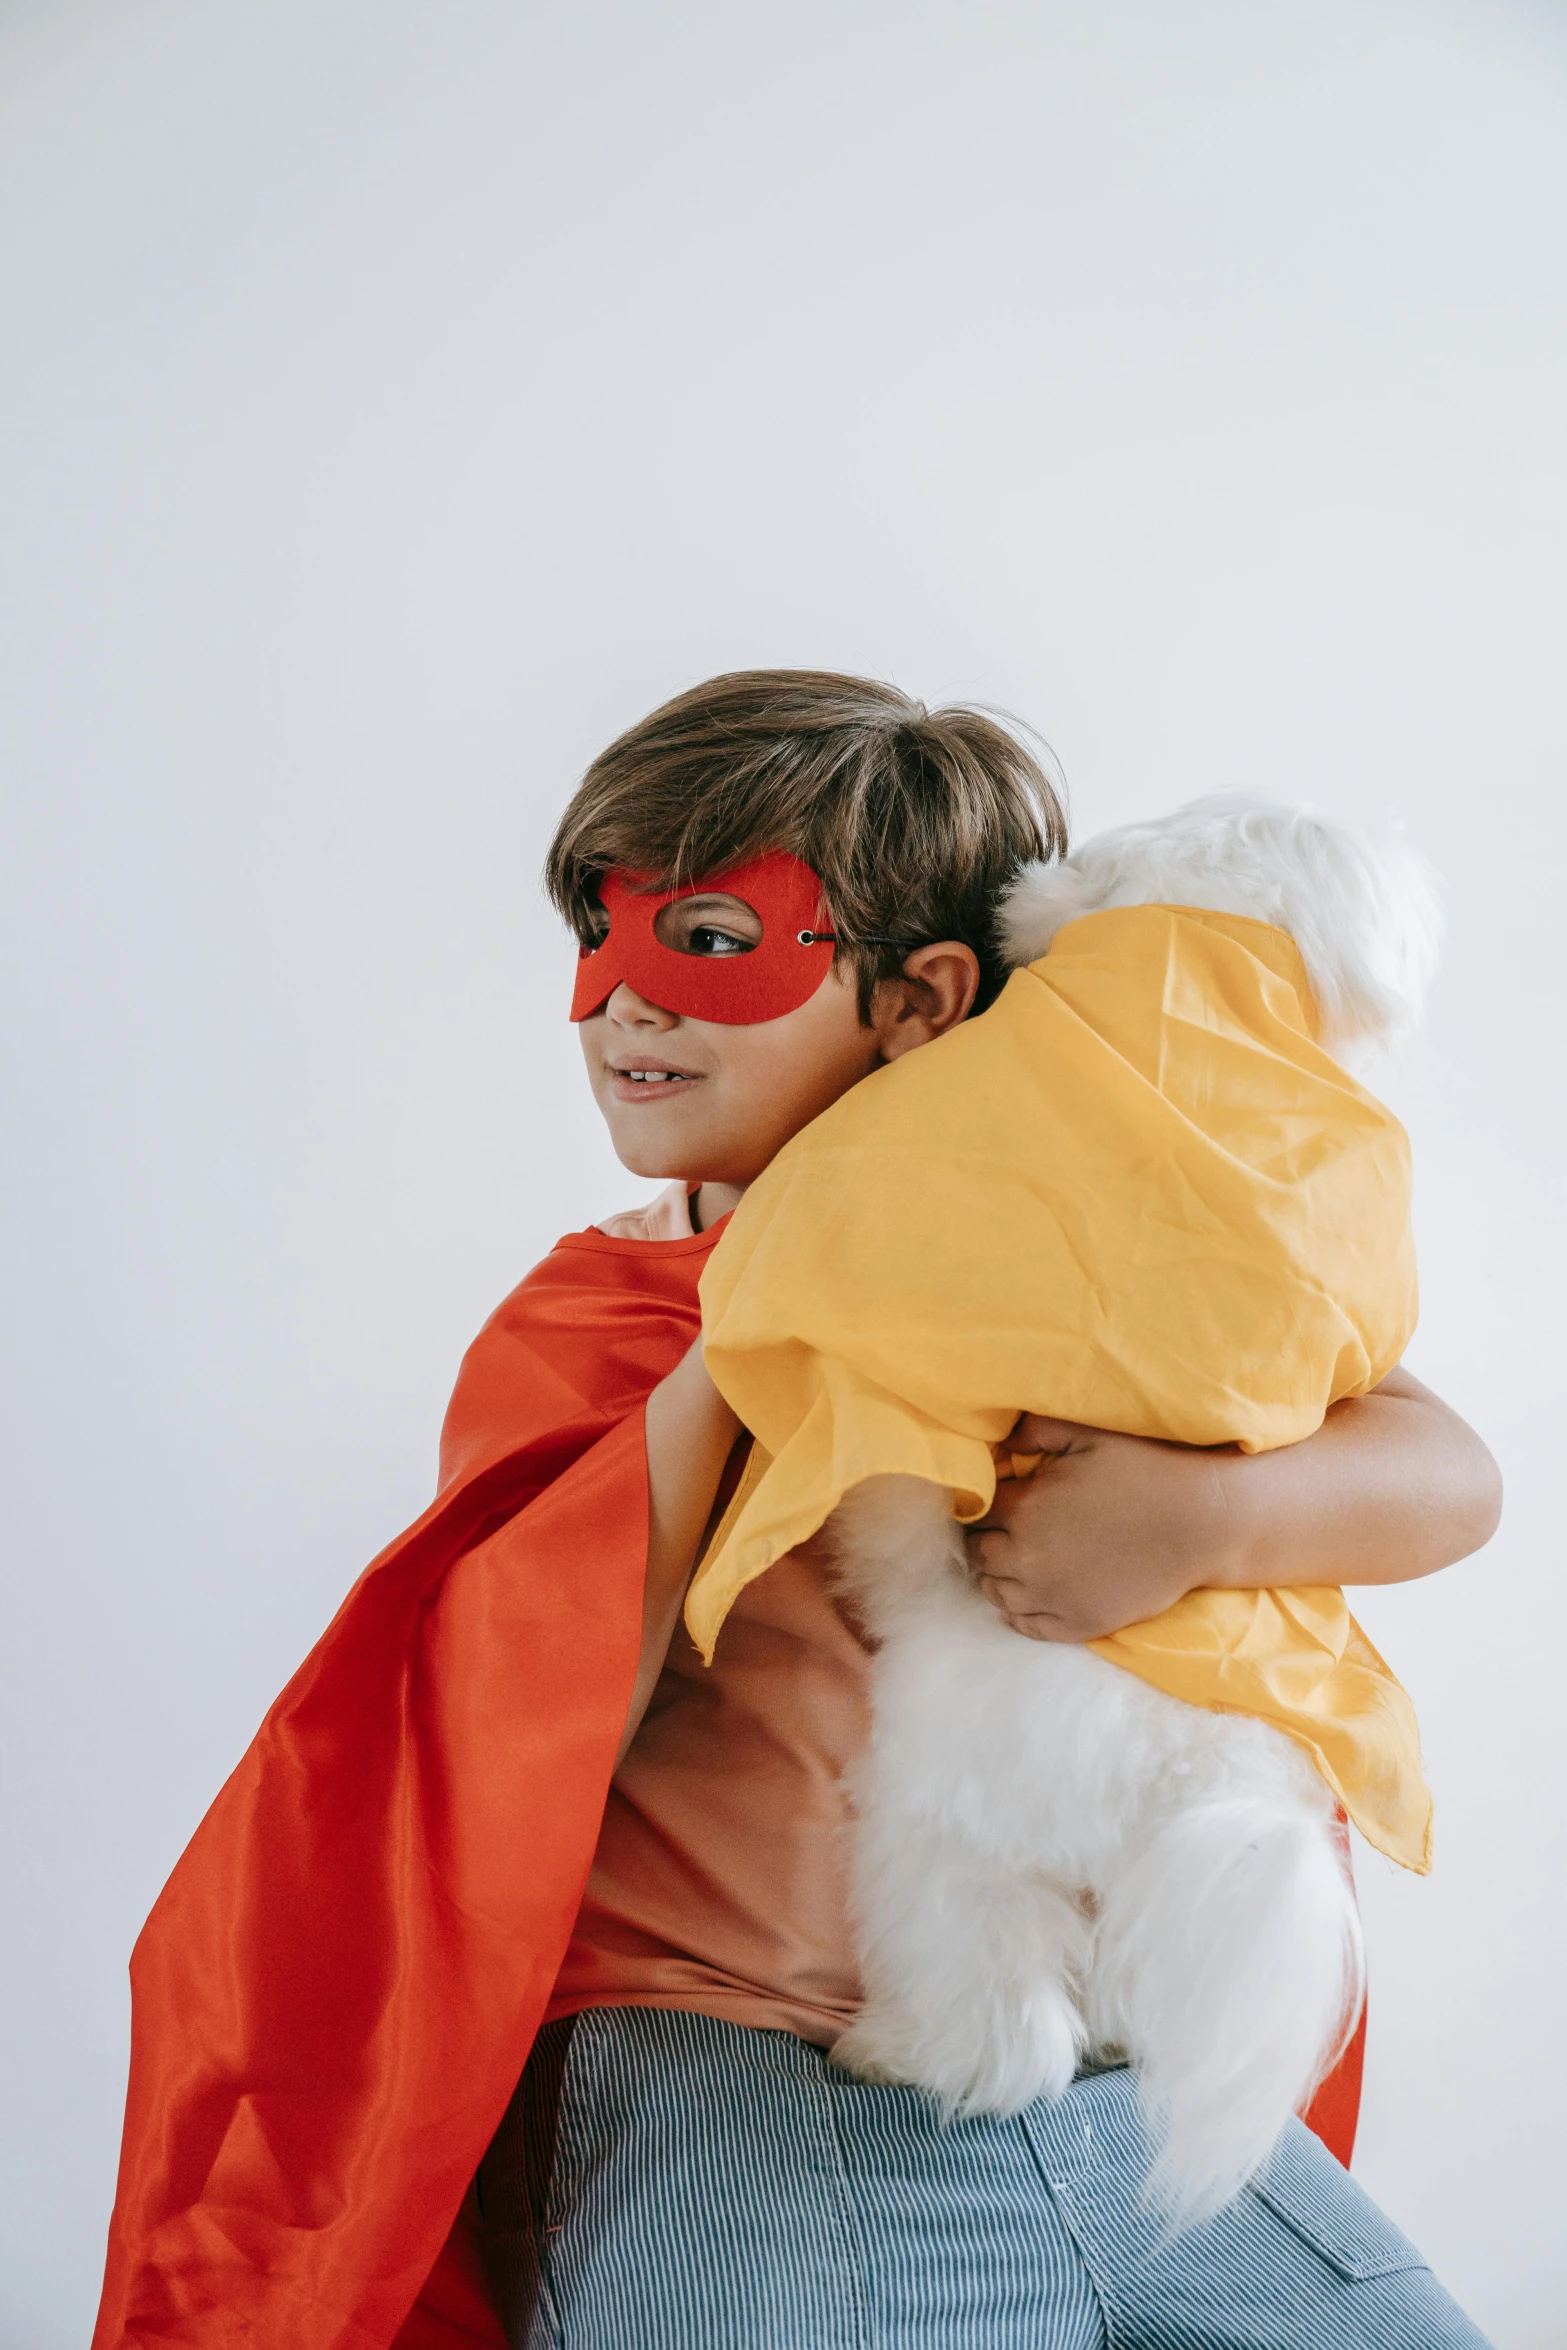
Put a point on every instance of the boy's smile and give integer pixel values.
(635, 1075)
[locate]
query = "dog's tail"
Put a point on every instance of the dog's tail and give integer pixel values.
(1365, 915)
(1230, 1970)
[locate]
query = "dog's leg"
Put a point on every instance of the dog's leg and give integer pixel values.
(1228, 1965)
(972, 1943)
(971, 1971)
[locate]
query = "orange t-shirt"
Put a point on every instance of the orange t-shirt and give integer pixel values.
(719, 1884)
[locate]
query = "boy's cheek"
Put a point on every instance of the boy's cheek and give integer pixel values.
(665, 1139)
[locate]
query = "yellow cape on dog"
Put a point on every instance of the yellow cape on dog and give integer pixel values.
(1134, 1193)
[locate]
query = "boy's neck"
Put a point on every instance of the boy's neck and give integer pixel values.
(709, 1201)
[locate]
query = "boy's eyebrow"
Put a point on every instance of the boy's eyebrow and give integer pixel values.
(714, 897)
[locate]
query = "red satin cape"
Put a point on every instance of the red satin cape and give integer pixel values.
(338, 1987)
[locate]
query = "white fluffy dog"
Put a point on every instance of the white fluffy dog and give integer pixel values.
(1054, 1863)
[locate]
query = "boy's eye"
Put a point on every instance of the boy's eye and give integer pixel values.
(707, 939)
(712, 924)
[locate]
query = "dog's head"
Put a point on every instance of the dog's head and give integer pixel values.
(1365, 915)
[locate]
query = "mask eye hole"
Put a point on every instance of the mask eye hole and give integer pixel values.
(709, 925)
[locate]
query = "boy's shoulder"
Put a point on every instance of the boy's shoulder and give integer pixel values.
(653, 1253)
(582, 1337)
(668, 1217)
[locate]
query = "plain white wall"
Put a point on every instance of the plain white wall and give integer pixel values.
(397, 399)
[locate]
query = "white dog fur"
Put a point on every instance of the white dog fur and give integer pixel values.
(1052, 1863)
(1365, 916)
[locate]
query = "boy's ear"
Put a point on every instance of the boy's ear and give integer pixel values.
(936, 991)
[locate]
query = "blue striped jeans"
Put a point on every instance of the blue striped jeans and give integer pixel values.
(665, 2181)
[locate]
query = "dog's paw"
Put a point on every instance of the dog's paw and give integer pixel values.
(1024, 2047)
(989, 2056)
(873, 2053)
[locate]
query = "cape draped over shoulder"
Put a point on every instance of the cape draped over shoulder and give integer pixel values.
(337, 1989)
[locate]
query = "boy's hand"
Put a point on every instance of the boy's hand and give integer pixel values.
(1110, 1529)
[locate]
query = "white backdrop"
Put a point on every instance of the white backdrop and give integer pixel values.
(399, 398)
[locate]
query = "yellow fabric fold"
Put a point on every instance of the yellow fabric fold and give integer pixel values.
(1135, 1193)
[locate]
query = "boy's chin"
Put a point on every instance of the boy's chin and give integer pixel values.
(671, 1156)
(667, 1166)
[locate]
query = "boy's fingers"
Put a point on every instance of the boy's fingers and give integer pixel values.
(1022, 1609)
(1003, 1594)
(990, 1552)
(1032, 1622)
(1014, 1495)
(1002, 1591)
(1025, 1570)
(1037, 1432)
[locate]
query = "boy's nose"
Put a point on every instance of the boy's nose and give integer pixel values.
(630, 1010)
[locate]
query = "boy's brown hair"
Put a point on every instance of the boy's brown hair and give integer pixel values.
(915, 819)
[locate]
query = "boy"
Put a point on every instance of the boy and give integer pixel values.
(779, 881)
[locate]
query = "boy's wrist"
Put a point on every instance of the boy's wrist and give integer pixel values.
(1238, 1544)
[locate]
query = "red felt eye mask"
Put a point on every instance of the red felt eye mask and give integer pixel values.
(777, 975)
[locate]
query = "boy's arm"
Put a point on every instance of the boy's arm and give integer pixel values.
(1113, 1529)
(690, 1434)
